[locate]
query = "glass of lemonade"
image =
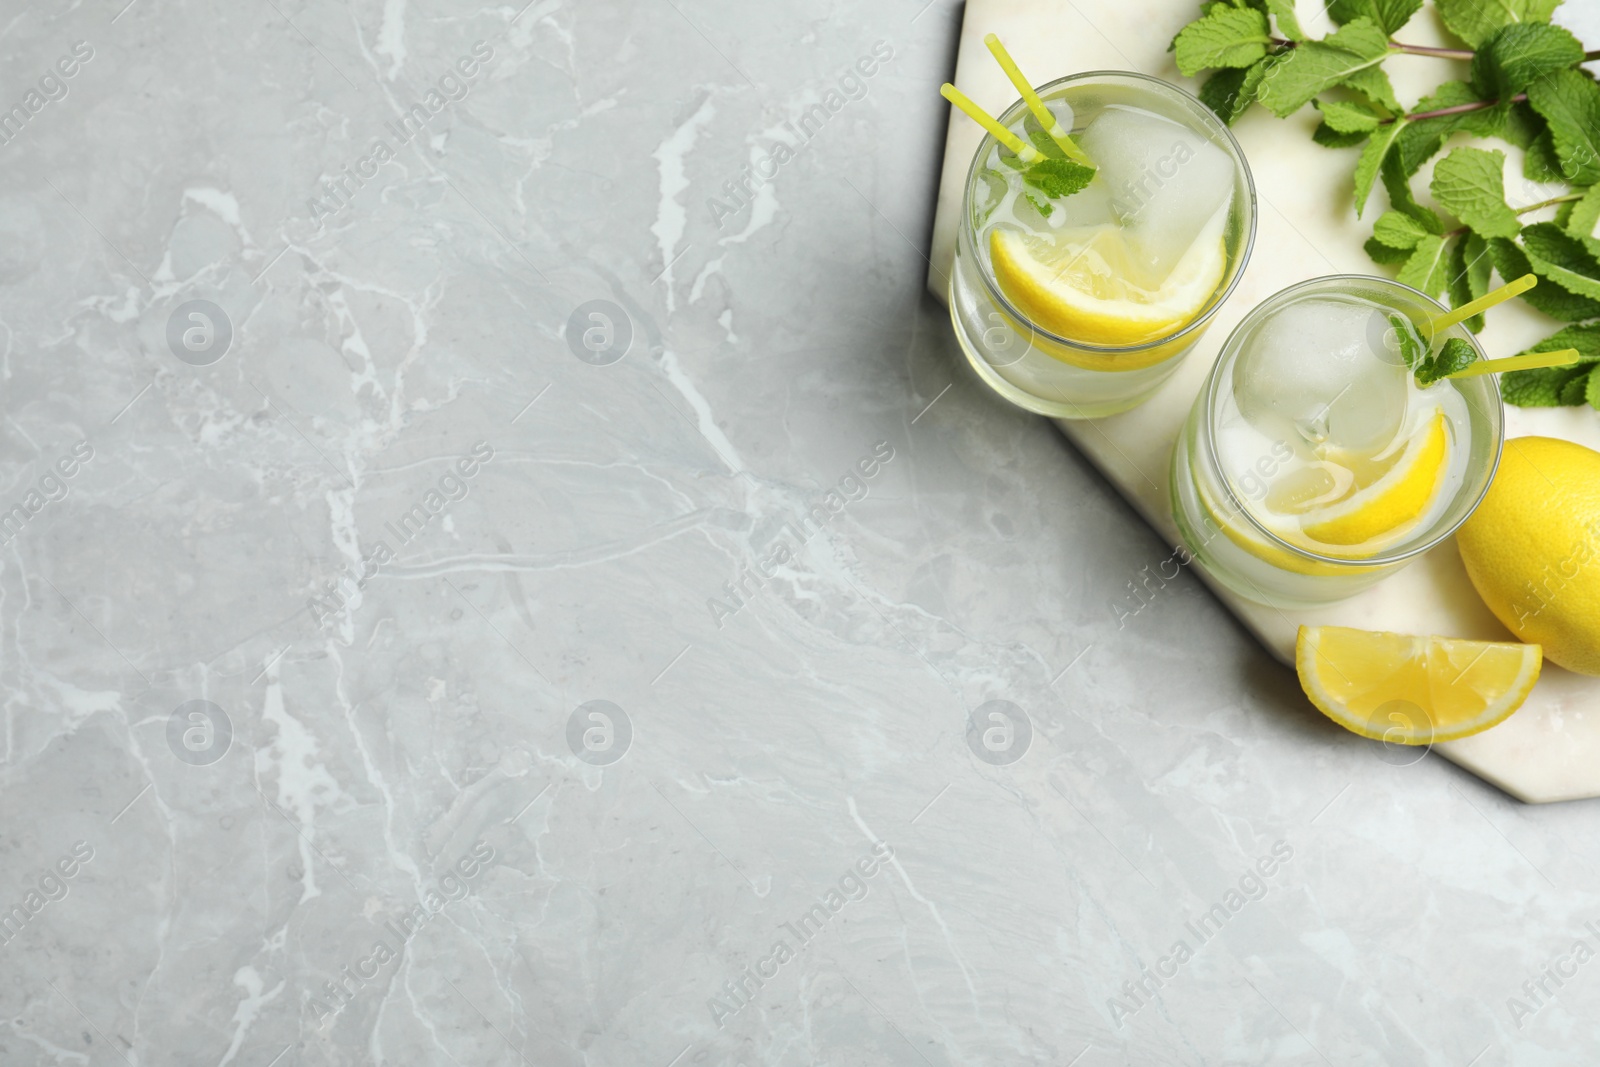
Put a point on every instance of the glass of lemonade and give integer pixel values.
(1081, 306)
(1313, 464)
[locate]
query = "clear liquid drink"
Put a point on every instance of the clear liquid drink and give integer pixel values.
(1081, 305)
(1314, 463)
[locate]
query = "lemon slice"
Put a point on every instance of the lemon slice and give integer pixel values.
(1410, 690)
(1086, 285)
(1393, 504)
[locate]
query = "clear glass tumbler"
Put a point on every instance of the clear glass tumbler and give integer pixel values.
(1313, 464)
(1162, 152)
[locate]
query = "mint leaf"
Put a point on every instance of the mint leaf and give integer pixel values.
(1570, 101)
(1522, 125)
(1398, 230)
(1424, 137)
(1412, 350)
(1558, 303)
(1584, 220)
(1058, 177)
(1592, 392)
(1518, 55)
(1401, 198)
(1586, 339)
(1576, 390)
(1454, 355)
(1373, 83)
(1042, 141)
(1562, 258)
(1230, 37)
(1470, 184)
(1328, 137)
(1228, 92)
(1043, 207)
(1382, 253)
(1347, 117)
(1282, 12)
(1541, 164)
(1538, 388)
(1295, 76)
(1427, 268)
(1470, 269)
(1372, 159)
(1474, 21)
(1388, 14)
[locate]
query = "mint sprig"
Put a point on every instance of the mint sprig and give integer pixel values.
(1522, 82)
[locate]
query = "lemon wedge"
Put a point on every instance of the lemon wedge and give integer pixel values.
(1410, 690)
(1085, 284)
(1390, 506)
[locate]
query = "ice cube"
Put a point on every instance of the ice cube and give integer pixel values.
(1169, 186)
(1318, 373)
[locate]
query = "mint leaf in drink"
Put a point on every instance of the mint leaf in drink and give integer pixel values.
(1470, 268)
(1470, 184)
(1562, 258)
(1455, 354)
(1397, 229)
(1570, 101)
(1042, 141)
(1412, 350)
(1345, 117)
(1474, 21)
(1520, 54)
(1372, 158)
(1388, 14)
(1228, 37)
(1058, 177)
(1297, 75)
(1043, 207)
(1553, 300)
(1427, 267)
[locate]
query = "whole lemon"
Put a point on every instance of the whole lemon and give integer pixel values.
(1533, 548)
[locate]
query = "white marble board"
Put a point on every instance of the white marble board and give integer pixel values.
(1550, 749)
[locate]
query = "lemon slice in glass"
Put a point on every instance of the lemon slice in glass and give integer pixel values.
(1386, 509)
(1087, 286)
(1410, 690)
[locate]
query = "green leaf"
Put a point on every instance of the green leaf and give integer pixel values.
(1454, 355)
(1231, 37)
(1576, 390)
(1470, 269)
(1553, 300)
(1228, 92)
(1424, 137)
(1470, 184)
(1297, 75)
(1540, 163)
(1282, 12)
(1585, 338)
(1043, 141)
(1373, 83)
(1537, 388)
(1474, 21)
(1518, 55)
(1400, 197)
(1328, 137)
(1592, 393)
(1372, 159)
(1570, 101)
(1058, 177)
(1347, 117)
(1584, 220)
(1427, 269)
(1388, 14)
(1382, 253)
(1523, 124)
(1043, 207)
(1398, 230)
(1562, 258)
(1412, 348)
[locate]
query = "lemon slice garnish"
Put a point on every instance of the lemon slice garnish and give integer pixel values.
(1087, 286)
(1410, 690)
(1391, 506)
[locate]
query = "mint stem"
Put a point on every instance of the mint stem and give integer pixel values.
(1422, 50)
(1458, 109)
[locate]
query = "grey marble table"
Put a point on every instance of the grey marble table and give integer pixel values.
(503, 564)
